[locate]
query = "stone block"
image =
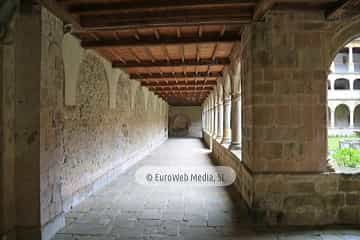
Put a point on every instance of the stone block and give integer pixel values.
(263, 115)
(353, 199)
(348, 215)
(349, 185)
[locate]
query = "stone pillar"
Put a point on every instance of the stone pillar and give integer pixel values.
(215, 116)
(220, 120)
(207, 119)
(332, 67)
(226, 121)
(236, 122)
(284, 95)
(351, 118)
(332, 118)
(211, 114)
(351, 60)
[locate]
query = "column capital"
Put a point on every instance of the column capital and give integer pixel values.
(236, 96)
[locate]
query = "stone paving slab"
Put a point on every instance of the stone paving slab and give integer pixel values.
(126, 210)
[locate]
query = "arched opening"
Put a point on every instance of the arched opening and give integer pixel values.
(341, 61)
(342, 116)
(357, 116)
(344, 120)
(342, 84)
(357, 84)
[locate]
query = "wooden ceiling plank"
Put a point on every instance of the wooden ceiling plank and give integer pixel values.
(131, 50)
(166, 53)
(157, 34)
(230, 38)
(117, 22)
(199, 83)
(145, 5)
(175, 76)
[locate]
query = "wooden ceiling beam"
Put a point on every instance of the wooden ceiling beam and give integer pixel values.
(165, 18)
(176, 75)
(174, 92)
(182, 86)
(145, 5)
(174, 89)
(172, 63)
(176, 80)
(130, 43)
(179, 83)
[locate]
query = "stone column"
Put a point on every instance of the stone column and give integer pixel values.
(273, 78)
(226, 121)
(332, 118)
(351, 118)
(220, 120)
(207, 119)
(236, 122)
(351, 60)
(215, 116)
(210, 119)
(332, 67)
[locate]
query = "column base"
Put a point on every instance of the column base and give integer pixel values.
(226, 141)
(235, 146)
(218, 138)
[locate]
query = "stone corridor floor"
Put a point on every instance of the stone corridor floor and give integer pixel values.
(127, 210)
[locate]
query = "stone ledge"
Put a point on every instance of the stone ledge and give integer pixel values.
(294, 198)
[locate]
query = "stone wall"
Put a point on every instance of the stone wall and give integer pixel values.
(86, 145)
(77, 126)
(7, 140)
(185, 121)
(293, 199)
(284, 92)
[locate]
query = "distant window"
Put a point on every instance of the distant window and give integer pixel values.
(341, 84)
(357, 84)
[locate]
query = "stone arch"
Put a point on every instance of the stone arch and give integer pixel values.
(123, 98)
(341, 84)
(342, 34)
(140, 100)
(73, 55)
(54, 76)
(93, 85)
(342, 116)
(357, 116)
(179, 125)
(356, 85)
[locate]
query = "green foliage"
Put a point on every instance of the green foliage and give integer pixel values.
(347, 157)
